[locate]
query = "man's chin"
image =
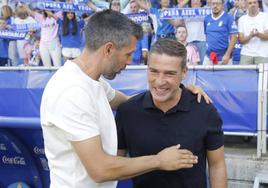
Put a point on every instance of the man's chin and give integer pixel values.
(110, 76)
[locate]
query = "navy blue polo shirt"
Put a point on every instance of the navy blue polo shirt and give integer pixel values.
(143, 129)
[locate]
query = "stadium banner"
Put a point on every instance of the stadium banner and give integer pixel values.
(139, 18)
(35, 1)
(175, 13)
(65, 7)
(12, 35)
(25, 27)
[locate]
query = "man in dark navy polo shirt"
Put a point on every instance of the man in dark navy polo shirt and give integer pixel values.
(167, 115)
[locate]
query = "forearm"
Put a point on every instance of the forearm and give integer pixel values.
(263, 36)
(218, 177)
(231, 45)
(217, 168)
(116, 168)
(244, 39)
(118, 99)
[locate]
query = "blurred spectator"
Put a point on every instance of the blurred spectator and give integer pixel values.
(22, 17)
(70, 32)
(192, 52)
(134, 7)
(237, 13)
(195, 28)
(28, 46)
(3, 44)
(50, 47)
(164, 28)
(234, 8)
(140, 55)
(115, 5)
(220, 30)
(35, 58)
(7, 14)
(242, 9)
(253, 34)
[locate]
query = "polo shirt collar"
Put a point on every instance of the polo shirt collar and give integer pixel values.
(184, 103)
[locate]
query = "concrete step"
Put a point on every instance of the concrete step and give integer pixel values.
(242, 164)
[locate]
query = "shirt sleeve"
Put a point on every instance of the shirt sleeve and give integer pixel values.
(214, 138)
(232, 27)
(240, 25)
(110, 92)
(75, 113)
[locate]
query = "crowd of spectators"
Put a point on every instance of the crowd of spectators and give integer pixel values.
(236, 32)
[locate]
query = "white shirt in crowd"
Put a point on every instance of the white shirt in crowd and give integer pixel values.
(255, 47)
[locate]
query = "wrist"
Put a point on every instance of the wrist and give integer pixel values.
(156, 162)
(227, 54)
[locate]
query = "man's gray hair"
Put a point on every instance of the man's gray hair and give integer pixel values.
(110, 26)
(170, 48)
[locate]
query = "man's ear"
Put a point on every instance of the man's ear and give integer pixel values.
(108, 48)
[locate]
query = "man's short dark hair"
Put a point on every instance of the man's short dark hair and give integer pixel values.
(110, 26)
(170, 48)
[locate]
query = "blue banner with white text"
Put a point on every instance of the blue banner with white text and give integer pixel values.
(61, 6)
(139, 18)
(180, 13)
(12, 35)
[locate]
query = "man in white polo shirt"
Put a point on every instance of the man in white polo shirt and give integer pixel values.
(253, 35)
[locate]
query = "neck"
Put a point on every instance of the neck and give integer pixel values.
(167, 105)
(217, 14)
(252, 14)
(184, 42)
(88, 63)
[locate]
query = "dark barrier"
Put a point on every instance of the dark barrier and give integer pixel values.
(234, 92)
